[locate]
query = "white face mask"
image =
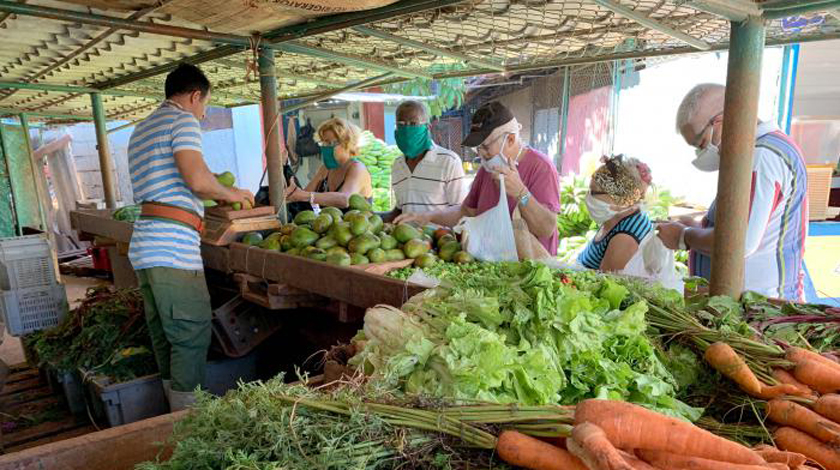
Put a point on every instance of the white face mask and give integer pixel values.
(708, 158)
(599, 210)
(493, 164)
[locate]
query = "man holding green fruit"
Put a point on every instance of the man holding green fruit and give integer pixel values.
(530, 178)
(427, 177)
(170, 179)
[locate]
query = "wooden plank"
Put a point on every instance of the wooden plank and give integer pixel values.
(276, 296)
(345, 284)
(40, 431)
(227, 212)
(119, 448)
(80, 431)
(100, 223)
(216, 257)
(19, 375)
(20, 385)
(32, 407)
(26, 396)
(223, 233)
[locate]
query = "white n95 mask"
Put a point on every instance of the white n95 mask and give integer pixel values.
(708, 158)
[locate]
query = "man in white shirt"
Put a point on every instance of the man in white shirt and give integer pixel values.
(778, 221)
(427, 177)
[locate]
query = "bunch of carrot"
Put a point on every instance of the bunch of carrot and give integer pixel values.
(804, 403)
(613, 435)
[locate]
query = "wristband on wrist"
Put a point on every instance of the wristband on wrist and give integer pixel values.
(312, 197)
(682, 244)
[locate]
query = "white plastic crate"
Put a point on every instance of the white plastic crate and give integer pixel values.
(26, 262)
(33, 309)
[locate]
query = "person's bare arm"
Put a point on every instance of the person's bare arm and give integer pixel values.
(541, 221)
(446, 217)
(621, 249)
(203, 183)
(354, 183)
(700, 239)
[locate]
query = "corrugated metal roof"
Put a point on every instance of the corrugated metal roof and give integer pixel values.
(517, 34)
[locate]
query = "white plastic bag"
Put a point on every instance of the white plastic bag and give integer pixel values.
(654, 261)
(489, 236)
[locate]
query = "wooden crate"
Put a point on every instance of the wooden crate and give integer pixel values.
(223, 232)
(274, 296)
(819, 190)
(227, 212)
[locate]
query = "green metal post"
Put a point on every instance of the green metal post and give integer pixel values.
(564, 115)
(37, 178)
(740, 118)
(272, 127)
(105, 164)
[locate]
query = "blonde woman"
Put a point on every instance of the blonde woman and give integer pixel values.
(340, 175)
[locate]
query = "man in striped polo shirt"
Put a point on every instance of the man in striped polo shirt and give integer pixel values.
(427, 177)
(170, 179)
(778, 222)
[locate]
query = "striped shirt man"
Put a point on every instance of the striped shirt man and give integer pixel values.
(436, 183)
(155, 178)
(778, 223)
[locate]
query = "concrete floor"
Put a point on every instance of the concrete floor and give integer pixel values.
(10, 350)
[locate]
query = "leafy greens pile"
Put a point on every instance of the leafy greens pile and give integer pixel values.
(106, 334)
(520, 333)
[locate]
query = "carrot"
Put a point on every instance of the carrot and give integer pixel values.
(672, 461)
(725, 360)
(525, 451)
(629, 426)
(829, 406)
(635, 462)
(788, 413)
(785, 377)
(797, 355)
(797, 441)
(772, 454)
(817, 375)
(590, 444)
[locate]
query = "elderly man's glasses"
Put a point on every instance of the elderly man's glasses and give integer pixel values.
(698, 139)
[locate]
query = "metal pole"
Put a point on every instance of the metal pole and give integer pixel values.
(271, 132)
(740, 118)
(37, 177)
(105, 164)
(564, 115)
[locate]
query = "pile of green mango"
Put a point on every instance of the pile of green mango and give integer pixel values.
(360, 237)
(378, 157)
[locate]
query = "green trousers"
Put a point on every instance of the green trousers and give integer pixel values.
(178, 314)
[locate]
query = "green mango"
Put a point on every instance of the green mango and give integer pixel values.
(304, 217)
(339, 259)
(350, 215)
(277, 235)
(447, 251)
(359, 226)
(388, 228)
(237, 206)
(394, 255)
(343, 235)
(252, 238)
(326, 242)
(286, 243)
(209, 203)
(429, 230)
(226, 179)
(270, 244)
(322, 223)
(293, 252)
(287, 229)
(446, 239)
(405, 232)
(359, 203)
(334, 212)
(376, 255)
(303, 237)
(358, 258)
(462, 257)
(388, 242)
(317, 254)
(415, 248)
(426, 260)
(337, 249)
(376, 223)
(363, 243)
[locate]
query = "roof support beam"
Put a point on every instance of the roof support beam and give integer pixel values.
(621, 10)
(106, 164)
(428, 47)
(76, 89)
(732, 11)
(66, 117)
(312, 51)
(272, 129)
(121, 23)
(785, 9)
(287, 33)
(370, 82)
(283, 75)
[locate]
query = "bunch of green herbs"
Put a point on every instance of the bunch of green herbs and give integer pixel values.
(106, 334)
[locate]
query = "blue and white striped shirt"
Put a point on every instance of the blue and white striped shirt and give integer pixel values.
(637, 225)
(155, 177)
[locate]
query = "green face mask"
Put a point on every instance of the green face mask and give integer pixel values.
(413, 141)
(328, 156)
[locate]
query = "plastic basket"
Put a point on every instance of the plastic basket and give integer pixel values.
(115, 404)
(26, 262)
(34, 309)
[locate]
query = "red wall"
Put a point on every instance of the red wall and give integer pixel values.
(375, 116)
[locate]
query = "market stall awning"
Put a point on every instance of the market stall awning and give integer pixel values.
(125, 47)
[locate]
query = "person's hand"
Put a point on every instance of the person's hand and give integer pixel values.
(421, 219)
(242, 196)
(514, 187)
(291, 188)
(297, 195)
(670, 233)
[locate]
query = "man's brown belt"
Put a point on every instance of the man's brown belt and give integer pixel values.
(170, 213)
